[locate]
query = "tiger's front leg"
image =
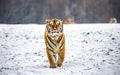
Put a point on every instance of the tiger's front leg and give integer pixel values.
(61, 54)
(51, 58)
(61, 57)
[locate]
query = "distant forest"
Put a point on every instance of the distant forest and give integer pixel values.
(37, 11)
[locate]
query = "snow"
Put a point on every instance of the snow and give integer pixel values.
(91, 49)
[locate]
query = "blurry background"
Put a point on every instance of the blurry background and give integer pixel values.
(37, 11)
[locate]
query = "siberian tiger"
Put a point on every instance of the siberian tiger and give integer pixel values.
(113, 20)
(55, 42)
(69, 21)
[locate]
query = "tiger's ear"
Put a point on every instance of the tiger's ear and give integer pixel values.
(46, 21)
(61, 20)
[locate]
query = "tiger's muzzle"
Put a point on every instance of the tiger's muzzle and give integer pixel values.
(55, 32)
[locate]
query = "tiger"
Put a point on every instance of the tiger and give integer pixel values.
(113, 20)
(55, 42)
(69, 21)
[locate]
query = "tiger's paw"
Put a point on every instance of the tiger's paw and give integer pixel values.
(59, 64)
(53, 67)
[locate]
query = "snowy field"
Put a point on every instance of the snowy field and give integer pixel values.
(91, 49)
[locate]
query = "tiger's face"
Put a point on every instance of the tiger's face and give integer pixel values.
(54, 27)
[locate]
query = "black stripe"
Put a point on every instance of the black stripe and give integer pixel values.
(48, 30)
(51, 41)
(61, 46)
(58, 41)
(61, 28)
(51, 49)
(50, 46)
(54, 21)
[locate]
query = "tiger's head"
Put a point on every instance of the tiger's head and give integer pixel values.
(54, 27)
(113, 20)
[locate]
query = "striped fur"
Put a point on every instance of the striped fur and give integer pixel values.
(55, 42)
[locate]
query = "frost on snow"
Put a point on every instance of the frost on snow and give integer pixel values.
(91, 49)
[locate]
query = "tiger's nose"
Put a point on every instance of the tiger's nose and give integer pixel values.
(55, 27)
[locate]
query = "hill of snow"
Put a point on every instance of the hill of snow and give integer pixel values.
(91, 49)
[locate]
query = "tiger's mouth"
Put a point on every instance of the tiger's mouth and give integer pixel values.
(55, 31)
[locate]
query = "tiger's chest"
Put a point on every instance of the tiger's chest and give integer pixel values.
(55, 43)
(55, 40)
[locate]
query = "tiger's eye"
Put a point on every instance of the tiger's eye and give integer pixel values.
(51, 23)
(57, 23)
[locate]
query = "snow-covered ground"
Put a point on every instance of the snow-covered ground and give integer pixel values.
(91, 49)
